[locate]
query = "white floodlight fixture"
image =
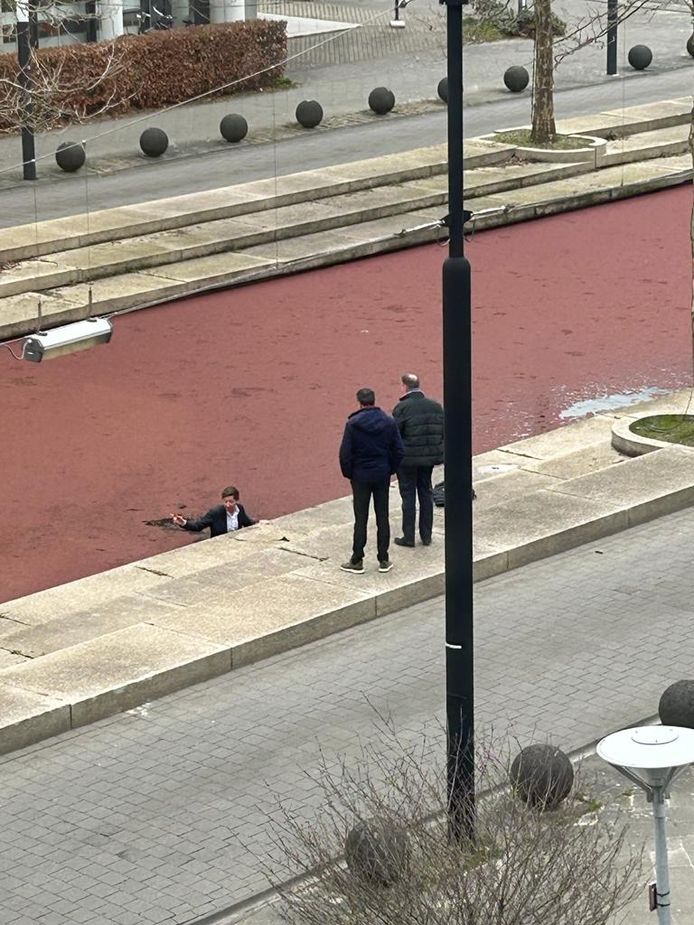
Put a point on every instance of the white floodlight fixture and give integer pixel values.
(651, 757)
(80, 335)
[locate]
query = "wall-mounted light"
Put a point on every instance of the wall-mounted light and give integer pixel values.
(81, 335)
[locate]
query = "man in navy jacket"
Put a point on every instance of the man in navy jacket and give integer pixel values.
(224, 518)
(371, 451)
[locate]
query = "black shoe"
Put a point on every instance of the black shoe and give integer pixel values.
(401, 541)
(385, 565)
(426, 542)
(350, 566)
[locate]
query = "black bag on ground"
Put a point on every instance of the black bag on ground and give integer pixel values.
(440, 494)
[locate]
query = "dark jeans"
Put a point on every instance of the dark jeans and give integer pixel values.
(362, 492)
(415, 481)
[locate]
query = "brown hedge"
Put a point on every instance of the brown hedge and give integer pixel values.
(147, 71)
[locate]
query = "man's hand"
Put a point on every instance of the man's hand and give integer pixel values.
(179, 520)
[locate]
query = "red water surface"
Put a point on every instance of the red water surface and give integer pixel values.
(252, 386)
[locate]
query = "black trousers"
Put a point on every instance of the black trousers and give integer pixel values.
(362, 492)
(415, 482)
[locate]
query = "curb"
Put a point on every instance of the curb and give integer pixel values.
(43, 717)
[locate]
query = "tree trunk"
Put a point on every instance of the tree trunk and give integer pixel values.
(543, 79)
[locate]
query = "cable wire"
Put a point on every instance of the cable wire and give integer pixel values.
(226, 86)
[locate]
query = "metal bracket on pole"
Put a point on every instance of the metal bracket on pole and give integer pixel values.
(396, 22)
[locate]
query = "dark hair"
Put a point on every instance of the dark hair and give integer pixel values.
(366, 397)
(231, 491)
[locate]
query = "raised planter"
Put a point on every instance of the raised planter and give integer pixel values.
(591, 154)
(626, 441)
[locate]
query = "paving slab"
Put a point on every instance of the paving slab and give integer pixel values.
(124, 669)
(507, 485)
(651, 485)
(226, 579)
(67, 630)
(328, 514)
(557, 443)
(571, 465)
(92, 591)
(201, 553)
(19, 314)
(646, 145)
(272, 616)
(490, 464)
(190, 275)
(546, 522)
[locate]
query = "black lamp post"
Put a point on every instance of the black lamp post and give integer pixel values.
(457, 392)
(612, 19)
(25, 79)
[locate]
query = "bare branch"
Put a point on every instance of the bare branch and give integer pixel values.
(570, 866)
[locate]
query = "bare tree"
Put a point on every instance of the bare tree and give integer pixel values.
(61, 91)
(548, 54)
(569, 866)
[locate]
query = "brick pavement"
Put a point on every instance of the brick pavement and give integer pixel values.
(165, 814)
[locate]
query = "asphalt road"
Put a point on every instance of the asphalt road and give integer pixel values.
(60, 194)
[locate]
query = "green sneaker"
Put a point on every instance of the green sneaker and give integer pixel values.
(350, 566)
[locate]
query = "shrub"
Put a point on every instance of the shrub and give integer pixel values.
(76, 82)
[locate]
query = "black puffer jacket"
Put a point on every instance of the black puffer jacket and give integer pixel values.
(420, 422)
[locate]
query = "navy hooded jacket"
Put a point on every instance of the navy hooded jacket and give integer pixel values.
(371, 448)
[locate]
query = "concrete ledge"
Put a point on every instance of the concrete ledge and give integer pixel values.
(590, 153)
(114, 673)
(626, 441)
(27, 717)
(110, 642)
(309, 251)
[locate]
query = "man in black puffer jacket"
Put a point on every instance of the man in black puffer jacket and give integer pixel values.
(420, 421)
(370, 452)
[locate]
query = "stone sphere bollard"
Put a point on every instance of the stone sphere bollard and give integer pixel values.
(676, 707)
(381, 100)
(542, 775)
(640, 56)
(309, 113)
(690, 44)
(516, 78)
(377, 851)
(154, 141)
(442, 89)
(233, 127)
(70, 156)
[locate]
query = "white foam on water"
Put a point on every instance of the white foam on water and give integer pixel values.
(581, 409)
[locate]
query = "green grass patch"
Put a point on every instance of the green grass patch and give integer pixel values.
(671, 428)
(522, 137)
(475, 31)
(283, 83)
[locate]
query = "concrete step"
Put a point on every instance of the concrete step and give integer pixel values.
(663, 142)
(289, 251)
(143, 252)
(39, 239)
(617, 123)
(79, 652)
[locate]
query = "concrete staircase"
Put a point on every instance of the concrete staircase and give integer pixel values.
(135, 256)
